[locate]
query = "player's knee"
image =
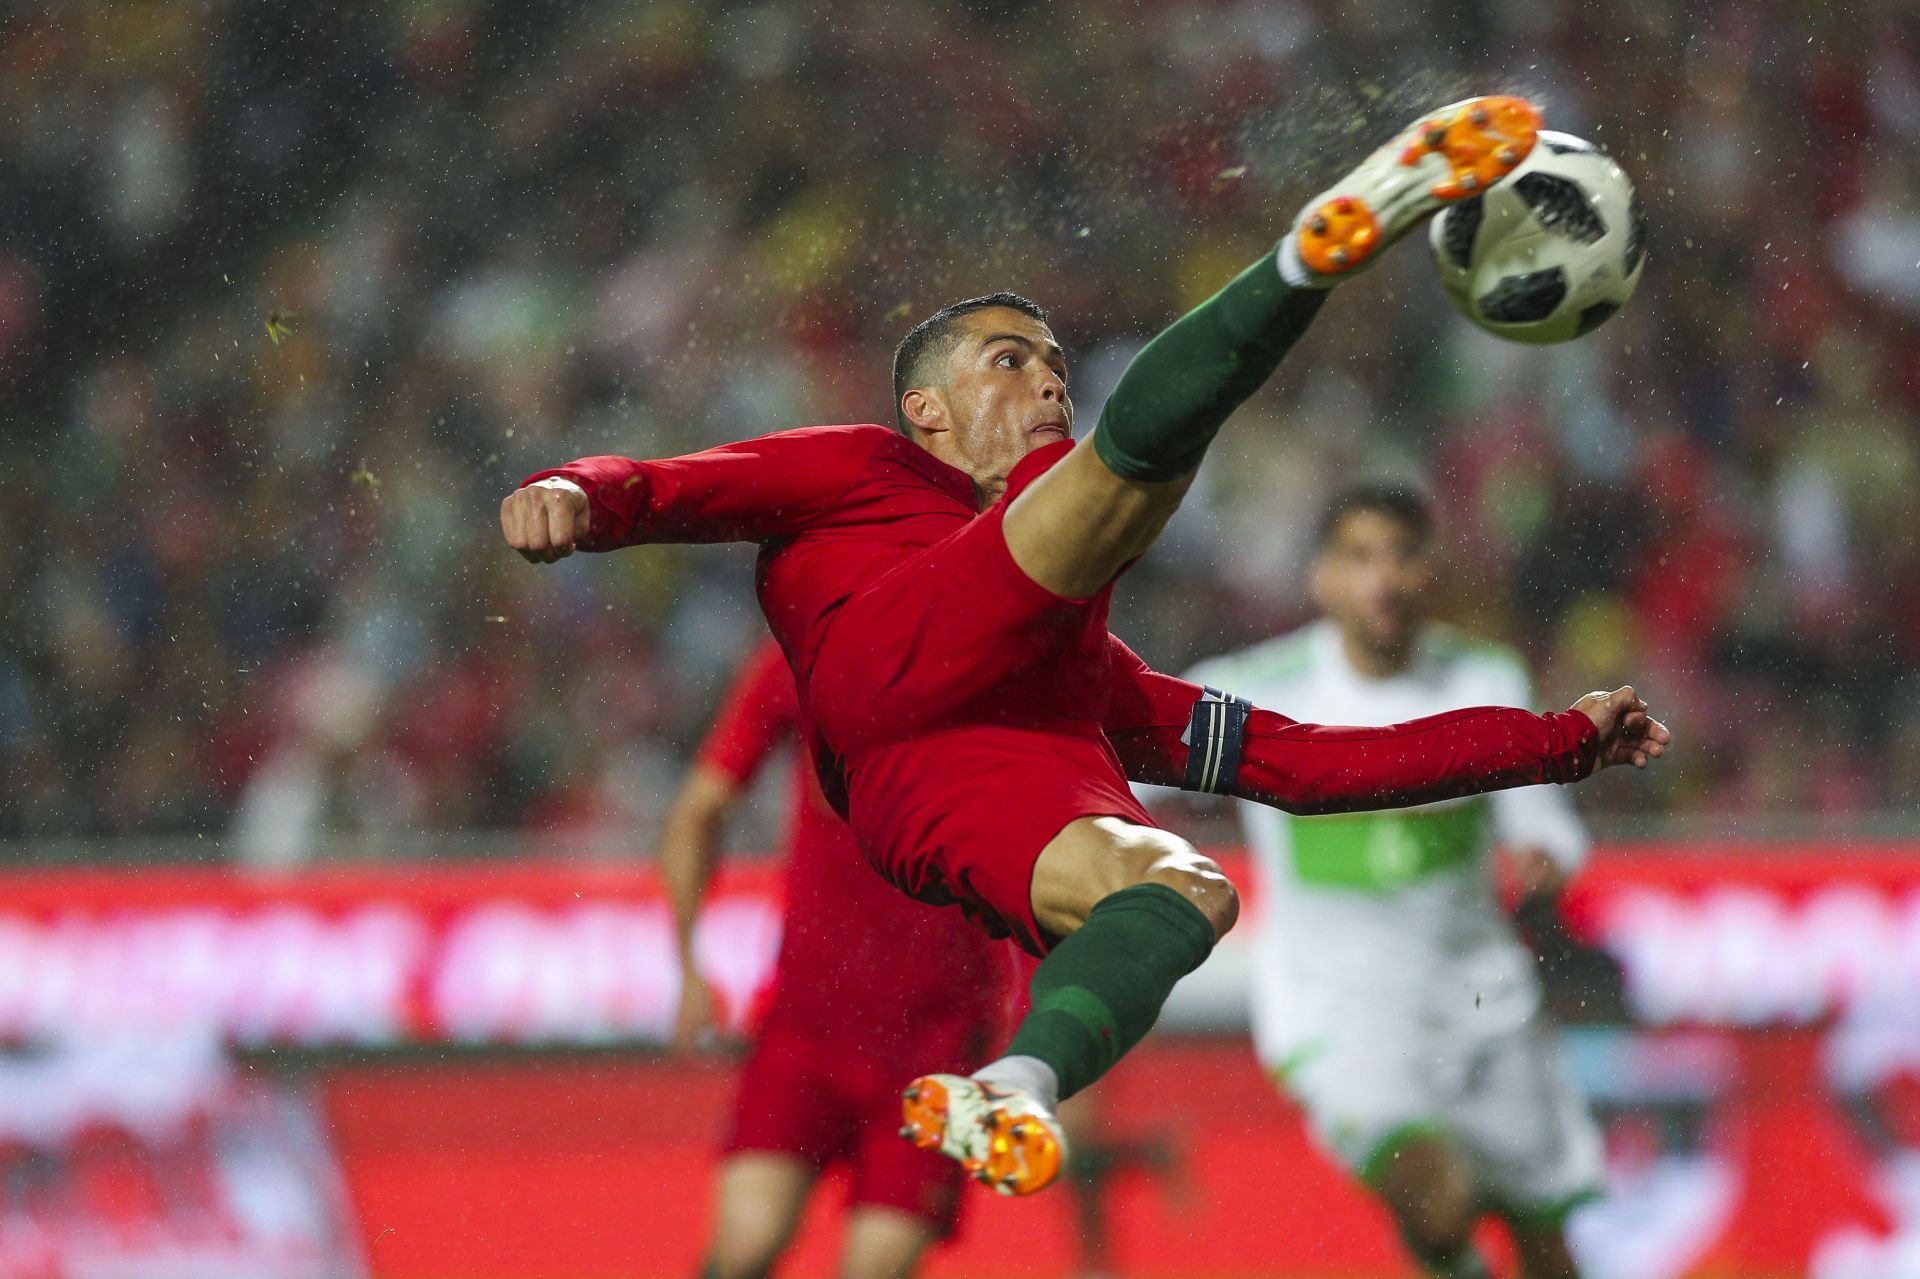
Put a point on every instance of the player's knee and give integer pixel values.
(1096, 857)
(738, 1257)
(1437, 1236)
(745, 1246)
(883, 1243)
(1200, 880)
(1437, 1219)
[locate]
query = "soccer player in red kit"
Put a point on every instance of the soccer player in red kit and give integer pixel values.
(941, 588)
(870, 988)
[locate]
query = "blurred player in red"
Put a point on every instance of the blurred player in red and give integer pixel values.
(941, 590)
(870, 988)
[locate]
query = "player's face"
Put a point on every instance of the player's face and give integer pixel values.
(1006, 393)
(1371, 577)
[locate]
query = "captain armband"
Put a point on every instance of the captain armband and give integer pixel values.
(1215, 734)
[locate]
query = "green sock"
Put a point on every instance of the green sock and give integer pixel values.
(1175, 394)
(1462, 1262)
(1101, 989)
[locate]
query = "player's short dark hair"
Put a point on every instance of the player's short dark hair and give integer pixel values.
(1401, 502)
(930, 341)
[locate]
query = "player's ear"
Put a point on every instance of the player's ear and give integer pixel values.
(925, 409)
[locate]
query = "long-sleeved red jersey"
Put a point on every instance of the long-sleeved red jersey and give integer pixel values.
(964, 715)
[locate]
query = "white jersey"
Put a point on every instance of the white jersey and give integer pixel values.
(1395, 910)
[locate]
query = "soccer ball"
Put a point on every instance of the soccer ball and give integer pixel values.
(1549, 254)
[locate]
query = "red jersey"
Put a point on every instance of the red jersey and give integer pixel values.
(857, 959)
(964, 715)
(836, 508)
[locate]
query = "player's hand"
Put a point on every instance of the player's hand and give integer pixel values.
(1535, 873)
(1628, 735)
(545, 519)
(696, 1022)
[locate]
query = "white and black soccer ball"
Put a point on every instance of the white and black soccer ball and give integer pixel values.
(1551, 252)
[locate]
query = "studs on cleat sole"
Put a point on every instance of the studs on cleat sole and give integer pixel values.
(1337, 235)
(1008, 1149)
(1485, 142)
(923, 1113)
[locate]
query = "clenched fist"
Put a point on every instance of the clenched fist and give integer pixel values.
(545, 519)
(1628, 735)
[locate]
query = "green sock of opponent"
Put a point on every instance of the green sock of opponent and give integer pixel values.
(1463, 1262)
(1175, 394)
(1101, 989)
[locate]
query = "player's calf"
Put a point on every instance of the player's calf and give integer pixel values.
(761, 1195)
(1074, 529)
(1137, 909)
(883, 1243)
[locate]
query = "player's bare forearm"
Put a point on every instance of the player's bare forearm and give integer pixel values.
(689, 847)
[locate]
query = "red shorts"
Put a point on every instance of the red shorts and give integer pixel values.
(962, 818)
(826, 1101)
(966, 701)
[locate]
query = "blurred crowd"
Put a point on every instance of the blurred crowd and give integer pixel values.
(291, 295)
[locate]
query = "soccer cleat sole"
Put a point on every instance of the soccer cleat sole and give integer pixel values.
(1480, 140)
(1015, 1154)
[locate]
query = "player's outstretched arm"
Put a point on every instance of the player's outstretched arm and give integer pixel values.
(747, 492)
(1169, 732)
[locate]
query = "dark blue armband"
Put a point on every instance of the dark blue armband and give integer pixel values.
(1214, 737)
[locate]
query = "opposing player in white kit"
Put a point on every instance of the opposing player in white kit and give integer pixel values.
(1391, 995)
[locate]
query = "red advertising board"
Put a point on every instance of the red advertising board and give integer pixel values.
(1773, 991)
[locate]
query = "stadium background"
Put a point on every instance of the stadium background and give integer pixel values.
(291, 294)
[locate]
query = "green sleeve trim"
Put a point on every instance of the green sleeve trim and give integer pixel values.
(1284, 1071)
(1547, 1213)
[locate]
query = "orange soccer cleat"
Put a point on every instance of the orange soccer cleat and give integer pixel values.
(1451, 154)
(1003, 1136)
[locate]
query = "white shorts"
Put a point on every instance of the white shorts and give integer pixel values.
(1505, 1101)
